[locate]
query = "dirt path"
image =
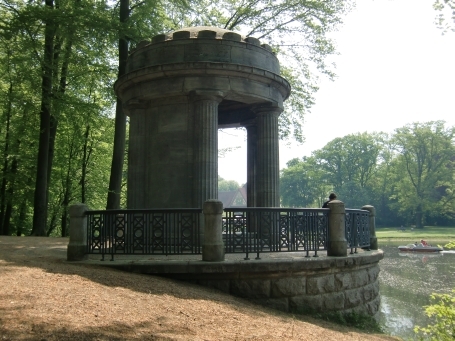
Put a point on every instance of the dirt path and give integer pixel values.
(43, 297)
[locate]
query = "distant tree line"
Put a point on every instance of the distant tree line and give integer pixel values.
(408, 176)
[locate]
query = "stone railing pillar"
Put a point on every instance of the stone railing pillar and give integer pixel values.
(212, 246)
(337, 246)
(373, 238)
(77, 247)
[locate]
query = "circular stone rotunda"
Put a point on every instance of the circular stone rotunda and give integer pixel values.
(179, 89)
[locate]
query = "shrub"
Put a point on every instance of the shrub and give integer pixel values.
(442, 315)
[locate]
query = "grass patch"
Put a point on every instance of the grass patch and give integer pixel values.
(432, 234)
(428, 232)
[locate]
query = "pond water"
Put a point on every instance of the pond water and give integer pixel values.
(406, 282)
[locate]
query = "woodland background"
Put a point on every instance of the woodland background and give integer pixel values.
(64, 137)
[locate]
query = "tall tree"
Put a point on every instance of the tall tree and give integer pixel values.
(303, 184)
(115, 182)
(41, 183)
(349, 164)
(424, 169)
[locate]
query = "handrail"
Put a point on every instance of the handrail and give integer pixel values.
(144, 231)
(259, 230)
(244, 230)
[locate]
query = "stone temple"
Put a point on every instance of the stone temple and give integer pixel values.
(179, 89)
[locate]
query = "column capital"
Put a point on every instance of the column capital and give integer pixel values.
(249, 123)
(267, 109)
(210, 95)
(129, 107)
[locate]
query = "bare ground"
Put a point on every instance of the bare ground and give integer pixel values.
(44, 297)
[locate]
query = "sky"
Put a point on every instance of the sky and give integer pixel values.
(394, 67)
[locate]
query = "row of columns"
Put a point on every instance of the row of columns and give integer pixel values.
(262, 152)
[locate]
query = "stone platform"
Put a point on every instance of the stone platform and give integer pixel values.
(286, 281)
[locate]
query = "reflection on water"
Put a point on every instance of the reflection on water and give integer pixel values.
(406, 282)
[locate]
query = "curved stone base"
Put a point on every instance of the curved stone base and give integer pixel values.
(288, 282)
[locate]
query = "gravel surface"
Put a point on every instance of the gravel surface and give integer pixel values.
(44, 297)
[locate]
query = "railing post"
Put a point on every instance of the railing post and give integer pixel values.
(77, 247)
(372, 223)
(213, 247)
(338, 246)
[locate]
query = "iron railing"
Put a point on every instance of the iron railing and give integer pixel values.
(357, 229)
(256, 230)
(152, 231)
(244, 230)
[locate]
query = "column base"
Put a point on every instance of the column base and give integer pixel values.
(337, 249)
(213, 253)
(373, 243)
(76, 252)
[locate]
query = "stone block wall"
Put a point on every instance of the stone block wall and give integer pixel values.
(346, 287)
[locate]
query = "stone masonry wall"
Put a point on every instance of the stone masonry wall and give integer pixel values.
(341, 289)
(289, 282)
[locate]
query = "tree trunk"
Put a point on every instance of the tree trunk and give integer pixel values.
(3, 229)
(67, 194)
(419, 217)
(85, 158)
(115, 181)
(22, 216)
(9, 203)
(58, 94)
(41, 184)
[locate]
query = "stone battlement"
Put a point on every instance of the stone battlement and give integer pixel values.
(203, 44)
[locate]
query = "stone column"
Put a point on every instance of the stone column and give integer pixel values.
(337, 246)
(268, 167)
(137, 161)
(251, 165)
(212, 246)
(372, 223)
(205, 171)
(77, 247)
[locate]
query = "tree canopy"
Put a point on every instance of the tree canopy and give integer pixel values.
(408, 176)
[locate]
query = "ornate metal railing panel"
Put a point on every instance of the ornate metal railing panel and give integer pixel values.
(256, 230)
(357, 224)
(245, 230)
(154, 231)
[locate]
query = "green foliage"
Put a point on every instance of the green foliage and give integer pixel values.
(432, 234)
(442, 316)
(227, 185)
(446, 16)
(347, 165)
(409, 177)
(302, 185)
(424, 169)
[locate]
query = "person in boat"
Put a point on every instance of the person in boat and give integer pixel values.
(423, 243)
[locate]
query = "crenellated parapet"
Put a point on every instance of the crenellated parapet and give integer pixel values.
(203, 44)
